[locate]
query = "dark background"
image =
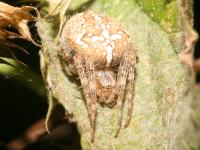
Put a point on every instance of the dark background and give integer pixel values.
(197, 27)
(20, 107)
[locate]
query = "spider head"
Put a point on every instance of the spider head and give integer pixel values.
(105, 82)
(106, 78)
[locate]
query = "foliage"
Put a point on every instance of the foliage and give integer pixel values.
(166, 101)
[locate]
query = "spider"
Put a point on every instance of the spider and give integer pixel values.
(99, 51)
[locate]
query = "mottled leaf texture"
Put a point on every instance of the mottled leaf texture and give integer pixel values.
(166, 102)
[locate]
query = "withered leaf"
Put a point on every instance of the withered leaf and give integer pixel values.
(17, 18)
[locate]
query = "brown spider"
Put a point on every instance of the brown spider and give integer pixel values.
(95, 47)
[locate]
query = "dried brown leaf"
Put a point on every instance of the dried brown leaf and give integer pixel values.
(191, 36)
(197, 65)
(16, 17)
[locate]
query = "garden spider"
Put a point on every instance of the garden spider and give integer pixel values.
(99, 51)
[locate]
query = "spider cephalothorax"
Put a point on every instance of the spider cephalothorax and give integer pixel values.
(100, 52)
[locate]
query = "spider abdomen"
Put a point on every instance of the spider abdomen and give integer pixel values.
(95, 37)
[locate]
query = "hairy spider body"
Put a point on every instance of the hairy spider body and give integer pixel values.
(98, 49)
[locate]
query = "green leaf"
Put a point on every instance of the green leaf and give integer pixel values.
(164, 12)
(11, 68)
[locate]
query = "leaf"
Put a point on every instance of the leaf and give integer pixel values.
(191, 36)
(17, 18)
(14, 69)
(3, 61)
(163, 93)
(164, 12)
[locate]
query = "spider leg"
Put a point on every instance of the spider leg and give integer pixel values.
(80, 67)
(130, 88)
(92, 94)
(120, 86)
(86, 74)
(125, 70)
